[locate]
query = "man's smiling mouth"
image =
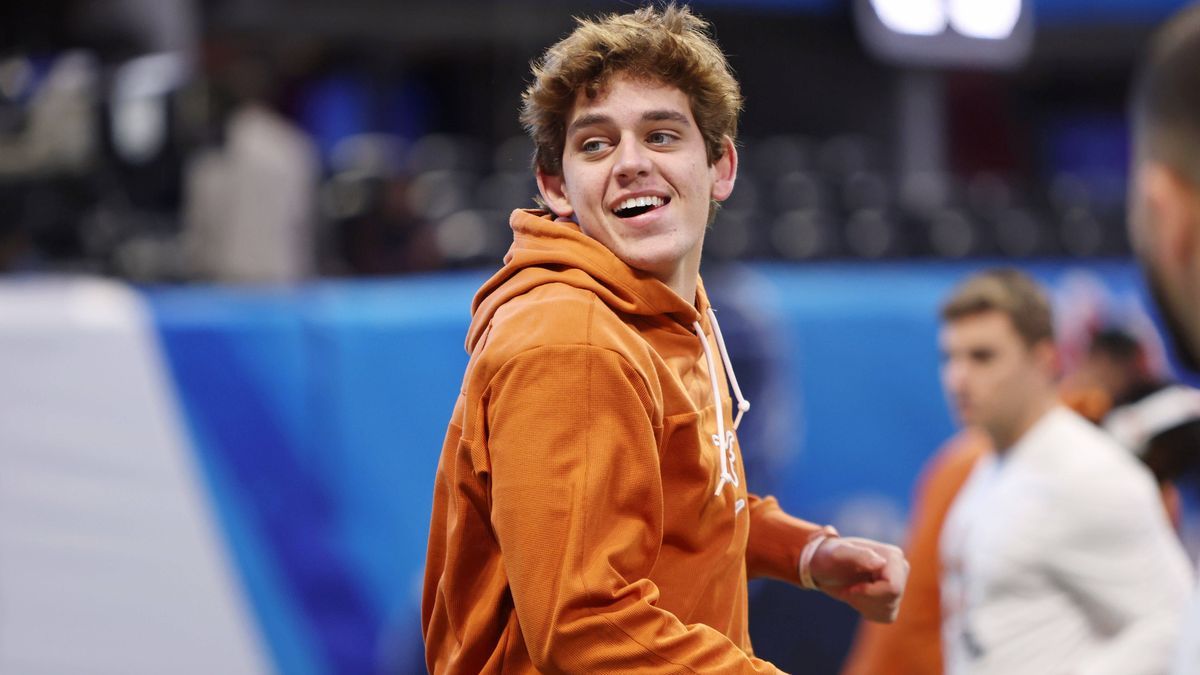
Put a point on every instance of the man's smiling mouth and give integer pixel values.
(636, 206)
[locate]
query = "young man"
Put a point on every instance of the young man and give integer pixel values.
(1164, 207)
(1114, 370)
(590, 509)
(1056, 554)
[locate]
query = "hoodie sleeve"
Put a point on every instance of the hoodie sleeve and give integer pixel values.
(776, 540)
(577, 508)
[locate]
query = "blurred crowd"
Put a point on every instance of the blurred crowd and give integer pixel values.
(137, 143)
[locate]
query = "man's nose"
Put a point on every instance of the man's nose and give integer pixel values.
(632, 160)
(954, 377)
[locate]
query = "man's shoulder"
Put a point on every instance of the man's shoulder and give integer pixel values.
(1088, 440)
(1090, 465)
(558, 315)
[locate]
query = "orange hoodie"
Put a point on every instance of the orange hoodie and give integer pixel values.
(585, 518)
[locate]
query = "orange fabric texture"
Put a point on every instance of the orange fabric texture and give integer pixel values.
(575, 526)
(913, 644)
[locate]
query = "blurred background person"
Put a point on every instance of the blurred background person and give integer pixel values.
(1056, 553)
(1116, 367)
(1164, 217)
(251, 201)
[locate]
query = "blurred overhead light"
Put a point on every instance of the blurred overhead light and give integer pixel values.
(912, 17)
(947, 33)
(990, 20)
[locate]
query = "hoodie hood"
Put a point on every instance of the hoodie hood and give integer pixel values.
(545, 250)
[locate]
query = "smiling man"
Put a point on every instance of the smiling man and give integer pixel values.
(591, 513)
(1056, 555)
(636, 165)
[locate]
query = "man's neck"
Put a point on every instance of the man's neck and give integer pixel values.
(683, 276)
(683, 281)
(1007, 438)
(687, 292)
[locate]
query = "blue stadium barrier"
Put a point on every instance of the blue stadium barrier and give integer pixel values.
(315, 416)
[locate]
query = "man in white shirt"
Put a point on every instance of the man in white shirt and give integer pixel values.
(1057, 556)
(1164, 208)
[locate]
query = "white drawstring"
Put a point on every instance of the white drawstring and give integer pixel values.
(743, 404)
(722, 439)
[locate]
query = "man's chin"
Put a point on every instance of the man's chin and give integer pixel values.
(1183, 343)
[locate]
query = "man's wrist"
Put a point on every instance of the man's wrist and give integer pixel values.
(810, 551)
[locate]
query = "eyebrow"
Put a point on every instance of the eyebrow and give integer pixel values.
(592, 119)
(664, 116)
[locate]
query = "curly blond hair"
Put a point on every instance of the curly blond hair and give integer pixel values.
(671, 46)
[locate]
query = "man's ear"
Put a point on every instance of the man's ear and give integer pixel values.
(553, 190)
(1045, 354)
(725, 171)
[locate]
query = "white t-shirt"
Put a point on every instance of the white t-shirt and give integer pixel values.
(1187, 656)
(1057, 557)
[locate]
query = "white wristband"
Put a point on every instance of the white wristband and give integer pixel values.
(806, 556)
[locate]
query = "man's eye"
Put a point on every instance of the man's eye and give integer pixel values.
(660, 138)
(592, 145)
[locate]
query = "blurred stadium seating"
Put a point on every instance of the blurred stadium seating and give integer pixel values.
(110, 124)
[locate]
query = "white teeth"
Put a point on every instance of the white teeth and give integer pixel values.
(635, 202)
